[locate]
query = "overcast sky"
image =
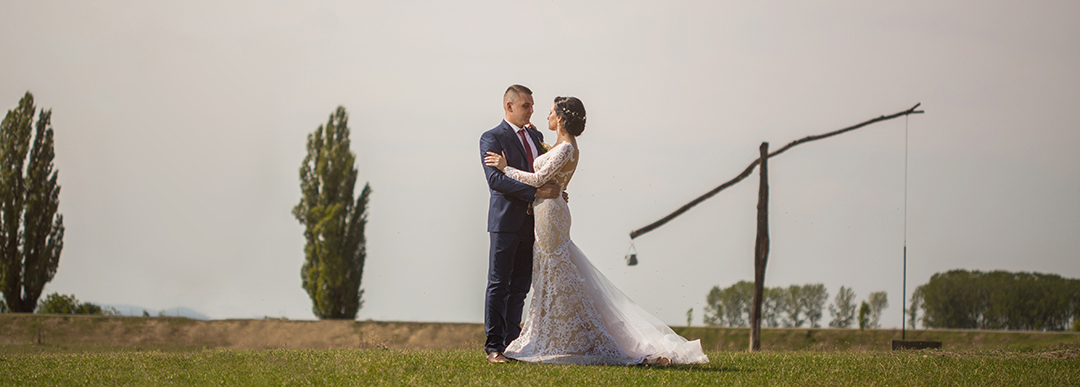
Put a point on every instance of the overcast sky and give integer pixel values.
(180, 128)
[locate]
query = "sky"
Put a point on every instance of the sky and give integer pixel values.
(180, 128)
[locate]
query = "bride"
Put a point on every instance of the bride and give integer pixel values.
(576, 315)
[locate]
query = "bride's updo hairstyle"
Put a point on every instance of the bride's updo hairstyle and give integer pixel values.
(572, 111)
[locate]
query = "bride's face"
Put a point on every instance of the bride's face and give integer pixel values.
(553, 120)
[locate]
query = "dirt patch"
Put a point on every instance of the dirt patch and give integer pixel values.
(34, 332)
(1071, 353)
(178, 333)
(1068, 353)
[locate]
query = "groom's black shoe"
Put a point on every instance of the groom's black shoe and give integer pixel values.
(496, 357)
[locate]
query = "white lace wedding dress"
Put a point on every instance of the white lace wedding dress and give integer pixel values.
(576, 315)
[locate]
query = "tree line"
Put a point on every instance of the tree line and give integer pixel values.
(791, 306)
(997, 300)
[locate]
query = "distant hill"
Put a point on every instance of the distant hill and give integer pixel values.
(180, 311)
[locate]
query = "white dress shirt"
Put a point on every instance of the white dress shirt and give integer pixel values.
(528, 140)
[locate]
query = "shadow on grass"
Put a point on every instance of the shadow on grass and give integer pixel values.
(681, 368)
(709, 368)
(694, 368)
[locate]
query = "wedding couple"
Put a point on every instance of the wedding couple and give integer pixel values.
(576, 315)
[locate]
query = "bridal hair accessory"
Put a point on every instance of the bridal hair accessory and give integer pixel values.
(569, 113)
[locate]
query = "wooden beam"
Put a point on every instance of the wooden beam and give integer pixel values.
(750, 168)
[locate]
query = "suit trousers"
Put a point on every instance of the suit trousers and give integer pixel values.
(510, 261)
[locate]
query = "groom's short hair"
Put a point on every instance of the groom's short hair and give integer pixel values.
(514, 91)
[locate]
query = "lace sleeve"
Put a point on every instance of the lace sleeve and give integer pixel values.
(547, 168)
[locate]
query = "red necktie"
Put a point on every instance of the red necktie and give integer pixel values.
(528, 149)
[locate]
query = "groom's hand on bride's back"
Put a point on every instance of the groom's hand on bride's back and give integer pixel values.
(549, 190)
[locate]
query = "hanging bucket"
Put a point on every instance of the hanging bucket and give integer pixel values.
(631, 255)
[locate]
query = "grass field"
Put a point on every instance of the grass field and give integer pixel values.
(43, 350)
(35, 333)
(467, 368)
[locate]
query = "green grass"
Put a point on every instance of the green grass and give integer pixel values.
(824, 339)
(31, 332)
(169, 351)
(1050, 366)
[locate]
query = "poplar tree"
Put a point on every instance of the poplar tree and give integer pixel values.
(714, 308)
(31, 230)
(333, 221)
(794, 306)
(814, 297)
(864, 315)
(916, 305)
(878, 301)
(843, 308)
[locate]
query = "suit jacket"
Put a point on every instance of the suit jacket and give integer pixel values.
(509, 198)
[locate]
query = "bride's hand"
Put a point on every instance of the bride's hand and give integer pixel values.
(495, 160)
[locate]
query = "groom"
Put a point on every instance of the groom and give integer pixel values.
(510, 220)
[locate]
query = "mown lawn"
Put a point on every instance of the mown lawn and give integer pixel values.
(1051, 367)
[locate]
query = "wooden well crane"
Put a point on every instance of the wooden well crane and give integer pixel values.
(761, 244)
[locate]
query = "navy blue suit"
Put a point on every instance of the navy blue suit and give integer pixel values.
(511, 230)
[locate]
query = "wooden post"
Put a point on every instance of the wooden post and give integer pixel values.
(761, 249)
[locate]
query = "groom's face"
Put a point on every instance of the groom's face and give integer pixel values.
(521, 109)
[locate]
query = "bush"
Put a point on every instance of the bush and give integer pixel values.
(57, 303)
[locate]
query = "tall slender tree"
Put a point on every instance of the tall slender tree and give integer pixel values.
(916, 305)
(794, 306)
(736, 300)
(814, 298)
(864, 315)
(334, 221)
(878, 301)
(772, 308)
(843, 308)
(31, 230)
(714, 307)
